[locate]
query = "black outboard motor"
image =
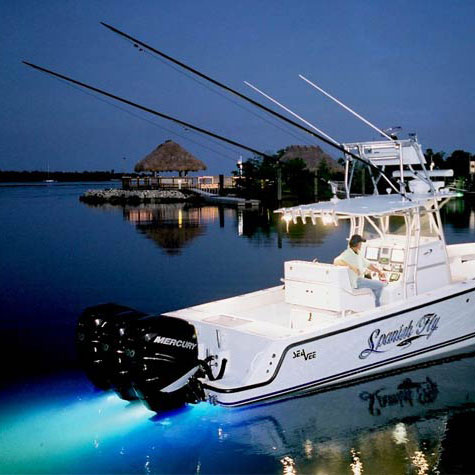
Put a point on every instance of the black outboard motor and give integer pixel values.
(164, 362)
(102, 334)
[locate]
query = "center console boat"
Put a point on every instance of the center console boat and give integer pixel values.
(313, 331)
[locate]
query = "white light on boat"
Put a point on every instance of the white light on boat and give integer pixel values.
(329, 219)
(287, 218)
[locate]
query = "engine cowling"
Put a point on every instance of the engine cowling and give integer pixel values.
(163, 360)
(101, 336)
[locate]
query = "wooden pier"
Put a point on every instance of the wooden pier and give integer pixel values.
(210, 184)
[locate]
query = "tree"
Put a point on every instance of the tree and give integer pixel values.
(298, 180)
(459, 162)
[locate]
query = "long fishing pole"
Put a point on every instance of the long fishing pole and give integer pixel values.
(137, 42)
(224, 86)
(147, 109)
(217, 83)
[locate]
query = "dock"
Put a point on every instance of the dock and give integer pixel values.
(229, 200)
(121, 196)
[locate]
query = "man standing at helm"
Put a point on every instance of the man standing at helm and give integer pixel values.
(358, 265)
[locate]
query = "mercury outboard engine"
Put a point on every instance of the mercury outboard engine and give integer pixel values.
(163, 361)
(103, 332)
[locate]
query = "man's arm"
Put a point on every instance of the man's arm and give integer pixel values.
(341, 262)
(373, 268)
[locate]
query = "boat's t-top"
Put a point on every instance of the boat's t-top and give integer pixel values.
(402, 227)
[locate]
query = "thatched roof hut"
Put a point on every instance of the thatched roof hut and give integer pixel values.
(170, 157)
(312, 155)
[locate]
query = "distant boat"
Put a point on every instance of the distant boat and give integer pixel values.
(48, 179)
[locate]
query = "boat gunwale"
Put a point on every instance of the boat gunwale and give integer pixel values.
(343, 330)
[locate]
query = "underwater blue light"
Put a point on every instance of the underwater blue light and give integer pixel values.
(78, 429)
(33, 437)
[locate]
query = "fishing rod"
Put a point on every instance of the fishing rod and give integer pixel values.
(137, 42)
(147, 109)
(339, 147)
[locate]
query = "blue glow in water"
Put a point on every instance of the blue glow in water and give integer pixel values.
(84, 430)
(63, 425)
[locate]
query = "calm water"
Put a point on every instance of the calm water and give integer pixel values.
(59, 256)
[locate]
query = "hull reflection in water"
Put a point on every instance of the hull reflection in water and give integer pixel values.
(389, 425)
(411, 422)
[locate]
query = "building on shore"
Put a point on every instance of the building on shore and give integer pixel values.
(172, 157)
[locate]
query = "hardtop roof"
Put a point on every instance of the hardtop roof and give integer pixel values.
(372, 205)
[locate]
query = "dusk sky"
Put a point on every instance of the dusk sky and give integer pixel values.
(397, 63)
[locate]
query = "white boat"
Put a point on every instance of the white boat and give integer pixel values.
(313, 331)
(48, 179)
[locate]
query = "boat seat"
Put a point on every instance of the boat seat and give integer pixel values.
(324, 286)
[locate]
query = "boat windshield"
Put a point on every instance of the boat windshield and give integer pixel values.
(379, 227)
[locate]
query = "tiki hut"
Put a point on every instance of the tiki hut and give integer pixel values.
(312, 155)
(170, 157)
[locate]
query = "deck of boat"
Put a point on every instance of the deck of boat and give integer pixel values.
(264, 312)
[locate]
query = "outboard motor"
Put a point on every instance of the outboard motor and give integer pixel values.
(101, 337)
(164, 365)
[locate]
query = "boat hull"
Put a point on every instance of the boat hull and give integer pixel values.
(424, 328)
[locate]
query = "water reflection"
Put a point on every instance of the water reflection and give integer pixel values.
(396, 424)
(410, 422)
(173, 226)
(460, 213)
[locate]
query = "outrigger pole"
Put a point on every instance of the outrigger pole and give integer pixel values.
(147, 109)
(137, 42)
(291, 112)
(346, 107)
